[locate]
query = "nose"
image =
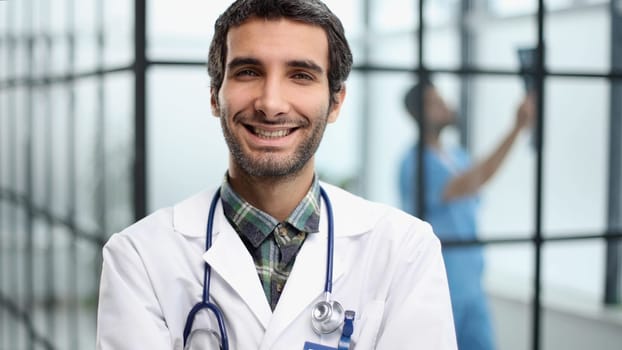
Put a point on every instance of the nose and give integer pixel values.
(272, 99)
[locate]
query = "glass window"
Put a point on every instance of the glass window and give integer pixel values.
(88, 162)
(4, 13)
(616, 157)
(187, 152)
(19, 61)
(350, 13)
(5, 270)
(64, 287)
(390, 36)
(338, 159)
(496, 40)
(4, 56)
(15, 259)
(5, 319)
(586, 22)
(391, 133)
(181, 29)
(57, 17)
(20, 138)
(41, 151)
(576, 146)
(492, 114)
(442, 47)
(85, 52)
(36, 11)
(119, 150)
(579, 39)
(40, 56)
(18, 16)
(62, 173)
(398, 49)
(87, 278)
(442, 33)
(19, 258)
(5, 145)
(5, 247)
(507, 8)
(58, 61)
(118, 32)
(85, 17)
(42, 282)
(393, 15)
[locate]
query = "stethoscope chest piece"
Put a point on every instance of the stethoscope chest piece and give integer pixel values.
(326, 316)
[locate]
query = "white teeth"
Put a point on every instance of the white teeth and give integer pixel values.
(271, 134)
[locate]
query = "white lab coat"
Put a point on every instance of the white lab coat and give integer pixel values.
(387, 268)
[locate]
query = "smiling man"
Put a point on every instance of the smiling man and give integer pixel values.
(278, 266)
(274, 104)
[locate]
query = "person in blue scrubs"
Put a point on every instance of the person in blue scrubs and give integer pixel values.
(451, 199)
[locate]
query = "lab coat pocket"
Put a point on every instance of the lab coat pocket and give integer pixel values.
(368, 326)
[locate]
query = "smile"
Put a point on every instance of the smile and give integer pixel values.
(271, 134)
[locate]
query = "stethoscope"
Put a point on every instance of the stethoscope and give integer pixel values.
(327, 315)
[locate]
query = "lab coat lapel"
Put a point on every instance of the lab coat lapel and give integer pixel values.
(305, 284)
(230, 259)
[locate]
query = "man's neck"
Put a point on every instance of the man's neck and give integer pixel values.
(277, 196)
(433, 140)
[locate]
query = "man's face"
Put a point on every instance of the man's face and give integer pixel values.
(274, 99)
(438, 114)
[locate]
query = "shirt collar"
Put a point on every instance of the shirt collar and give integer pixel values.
(256, 225)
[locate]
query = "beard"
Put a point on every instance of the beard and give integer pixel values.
(269, 163)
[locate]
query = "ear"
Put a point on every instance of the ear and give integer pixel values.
(336, 105)
(214, 102)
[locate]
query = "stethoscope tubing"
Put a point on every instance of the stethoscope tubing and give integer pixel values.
(328, 284)
(207, 270)
(224, 339)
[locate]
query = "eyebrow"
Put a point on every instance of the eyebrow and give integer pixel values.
(307, 64)
(243, 61)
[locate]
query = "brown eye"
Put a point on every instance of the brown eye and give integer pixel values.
(246, 73)
(302, 76)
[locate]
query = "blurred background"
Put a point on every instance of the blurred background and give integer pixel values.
(104, 117)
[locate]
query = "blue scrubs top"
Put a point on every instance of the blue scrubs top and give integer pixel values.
(454, 220)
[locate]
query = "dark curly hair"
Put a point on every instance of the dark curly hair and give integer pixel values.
(312, 12)
(413, 97)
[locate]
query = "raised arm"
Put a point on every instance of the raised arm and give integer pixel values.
(470, 181)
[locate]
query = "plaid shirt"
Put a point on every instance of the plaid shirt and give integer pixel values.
(273, 244)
